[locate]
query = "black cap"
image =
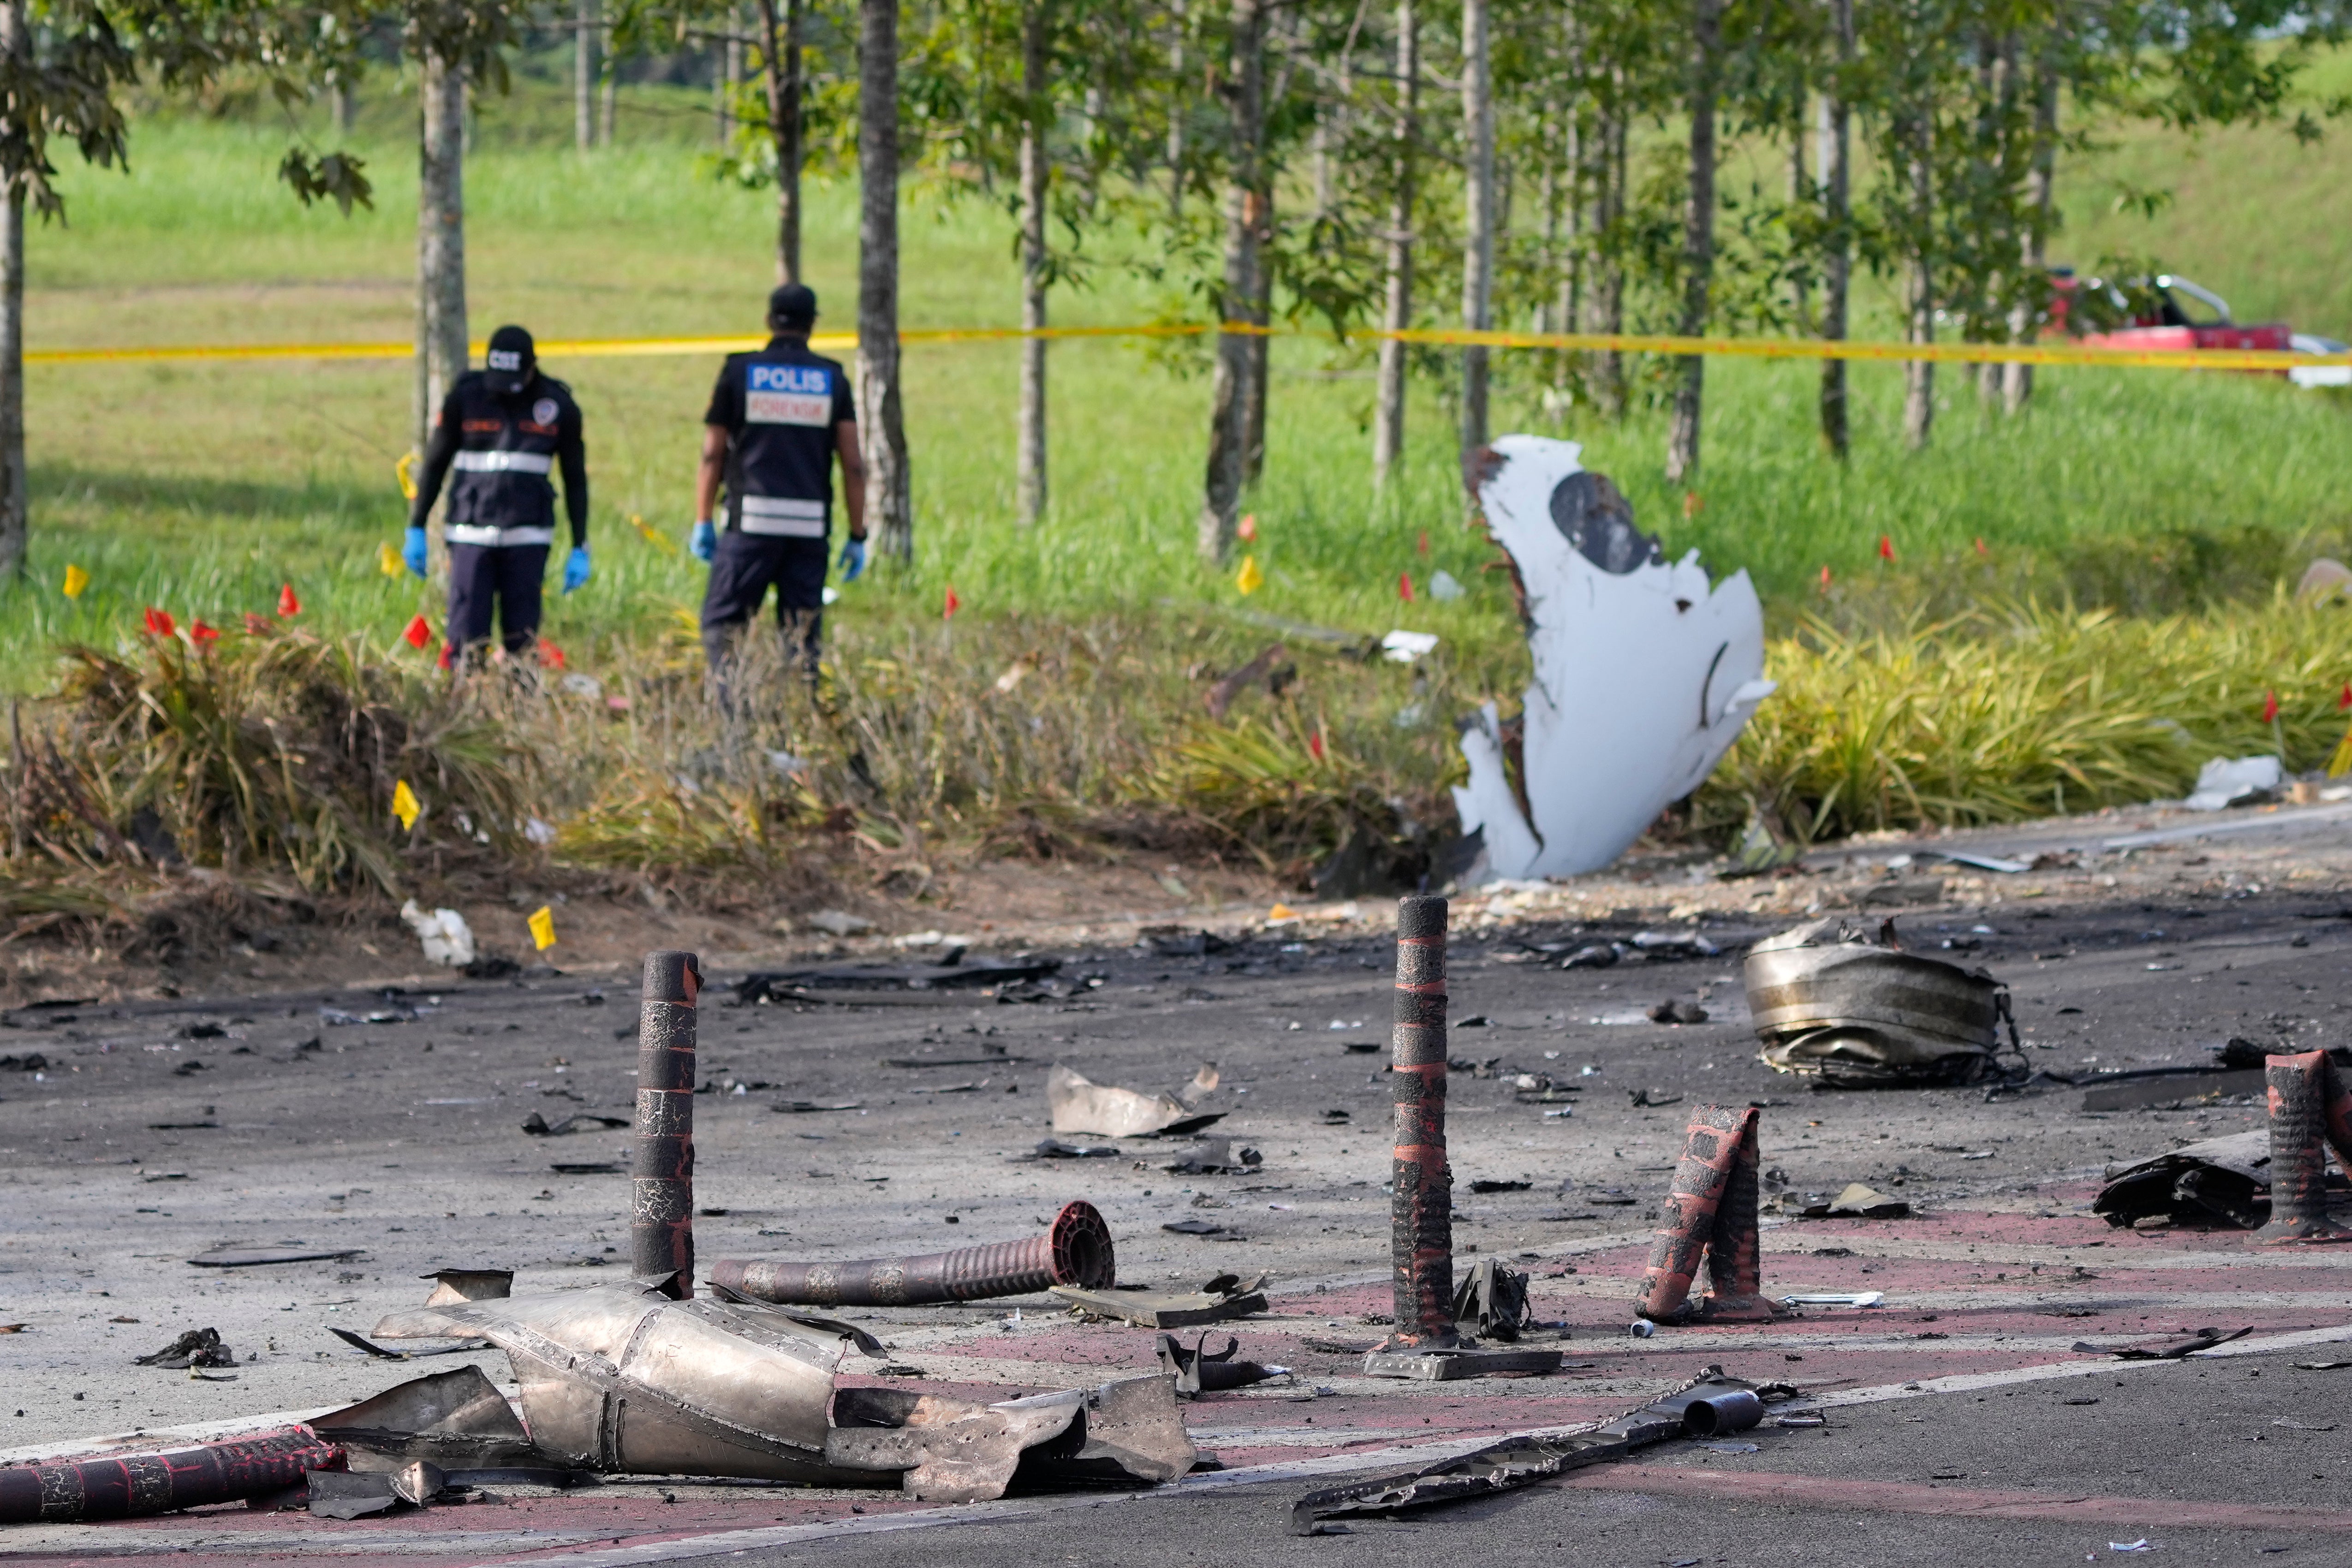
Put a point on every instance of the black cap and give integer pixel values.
(791, 305)
(511, 362)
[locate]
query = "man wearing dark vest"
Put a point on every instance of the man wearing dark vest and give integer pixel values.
(502, 430)
(778, 421)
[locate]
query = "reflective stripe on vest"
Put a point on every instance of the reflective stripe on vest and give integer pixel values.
(483, 533)
(783, 517)
(503, 462)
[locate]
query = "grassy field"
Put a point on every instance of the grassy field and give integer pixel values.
(203, 487)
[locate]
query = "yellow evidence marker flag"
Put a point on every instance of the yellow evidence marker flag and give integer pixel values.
(76, 580)
(406, 805)
(543, 927)
(387, 561)
(1250, 578)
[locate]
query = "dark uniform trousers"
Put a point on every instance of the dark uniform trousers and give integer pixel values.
(744, 568)
(511, 575)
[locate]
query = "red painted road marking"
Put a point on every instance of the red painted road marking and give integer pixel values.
(1968, 1502)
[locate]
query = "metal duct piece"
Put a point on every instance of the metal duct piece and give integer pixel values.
(132, 1485)
(1827, 1001)
(661, 1196)
(950, 1450)
(1080, 1105)
(1077, 1250)
(622, 1378)
(456, 1419)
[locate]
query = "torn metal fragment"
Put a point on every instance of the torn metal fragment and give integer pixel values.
(952, 1450)
(1198, 1370)
(1221, 1299)
(1492, 1302)
(196, 1347)
(1075, 1250)
(1081, 1106)
(256, 1257)
(875, 982)
(2218, 1181)
(456, 1419)
(1830, 1001)
(333, 1494)
(537, 1126)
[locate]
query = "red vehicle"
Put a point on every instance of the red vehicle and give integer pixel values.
(2169, 313)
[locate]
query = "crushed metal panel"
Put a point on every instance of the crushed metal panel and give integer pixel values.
(947, 1450)
(1081, 1106)
(1646, 672)
(1829, 1001)
(1164, 1308)
(2224, 1180)
(454, 1418)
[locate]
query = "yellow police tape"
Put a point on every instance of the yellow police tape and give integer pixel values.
(1627, 342)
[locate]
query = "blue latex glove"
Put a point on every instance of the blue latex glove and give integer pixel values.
(412, 552)
(704, 543)
(853, 560)
(575, 569)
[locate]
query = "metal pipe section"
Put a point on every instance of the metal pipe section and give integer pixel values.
(661, 1196)
(137, 1484)
(1077, 1250)
(1421, 1204)
(2298, 1086)
(1710, 1153)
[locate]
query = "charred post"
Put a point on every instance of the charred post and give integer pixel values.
(1076, 1251)
(1735, 1252)
(661, 1198)
(137, 1484)
(2298, 1085)
(1421, 1212)
(1702, 1178)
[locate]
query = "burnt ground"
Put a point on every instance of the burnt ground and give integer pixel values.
(159, 1128)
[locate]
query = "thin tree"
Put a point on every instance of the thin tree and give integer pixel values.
(781, 71)
(2017, 379)
(441, 336)
(881, 417)
(585, 26)
(1478, 215)
(1699, 238)
(1837, 214)
(1396, 309)
(1244, 90)
(1036, 121)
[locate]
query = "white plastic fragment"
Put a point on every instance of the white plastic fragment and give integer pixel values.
(1403, 647)
(448, 940)
(1645, 672)
(540, 833)
(1836, 1298)
(834, 923)
(2223, 782)
(1445, 585)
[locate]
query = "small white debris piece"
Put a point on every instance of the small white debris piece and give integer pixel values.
(833, 922)
(539, 833)
(448, 940)
(787, 765)
(2223, 782)
(586, 686)
(1645, 672)
(1836, 1298)
(1445, 586)
(1403, 647)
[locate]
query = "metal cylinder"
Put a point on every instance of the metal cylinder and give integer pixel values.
(136, 1484)
(1710, 1154)
(661, 1194)
(1717, 1412)
(2298, 1102)
(1077, 1250)
(1420, 1202)
(1735, 1250)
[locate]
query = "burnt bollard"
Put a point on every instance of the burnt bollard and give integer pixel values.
(1421, 1202)
(661, 1196)
(1710, 1216)
(1425, 1344)
(2300, 1089)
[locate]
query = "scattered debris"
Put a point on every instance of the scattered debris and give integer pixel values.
(1853, 1201)
(586, 1168)
(1654, 1098)
(1271, 667)
(2203, 1340)
(1212, 1156)
(2222, 783)
(1492, 1184)
(1075, 1250)
(1599, 759)
(579, 1121)
(129, 1486)
(1225, 1297)
(255, 1257)
(1054, 1149)
(1678, 1012)
(1708, 1407)
(452, 1287)
(1079, 1105)
(811, 1107)
(834, 923)
(990, 1055)
(448, 940)
(854, 984)
(197, 1347)
(1492, 1302)
(948, 1450)
(1596, 955)
(1835, 1298)
(1198, 1371)
(2166, 1087)
(1833, 1001)
(456, 1419)
(2218, 1181)
(1193, 1227)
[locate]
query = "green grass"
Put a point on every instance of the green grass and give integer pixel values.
(203, 487)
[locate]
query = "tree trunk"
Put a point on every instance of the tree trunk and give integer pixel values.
(611, 106)
(1176, 120)
(882, 429)
(1801, 195)
(730, 78)
(1034, 125)
(1920, 374)
(2017, 380)
(1244, 93)
(1837, 199)
(1610, 394)
(440, 238)
(1698, 240)
(585, 29)
(338, 105)
(1396, 315)
(16, 494)
(1477, 216)
(1261, 345)
(781, 67)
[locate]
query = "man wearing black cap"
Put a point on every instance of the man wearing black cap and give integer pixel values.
(504, 428)
(778, 420)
